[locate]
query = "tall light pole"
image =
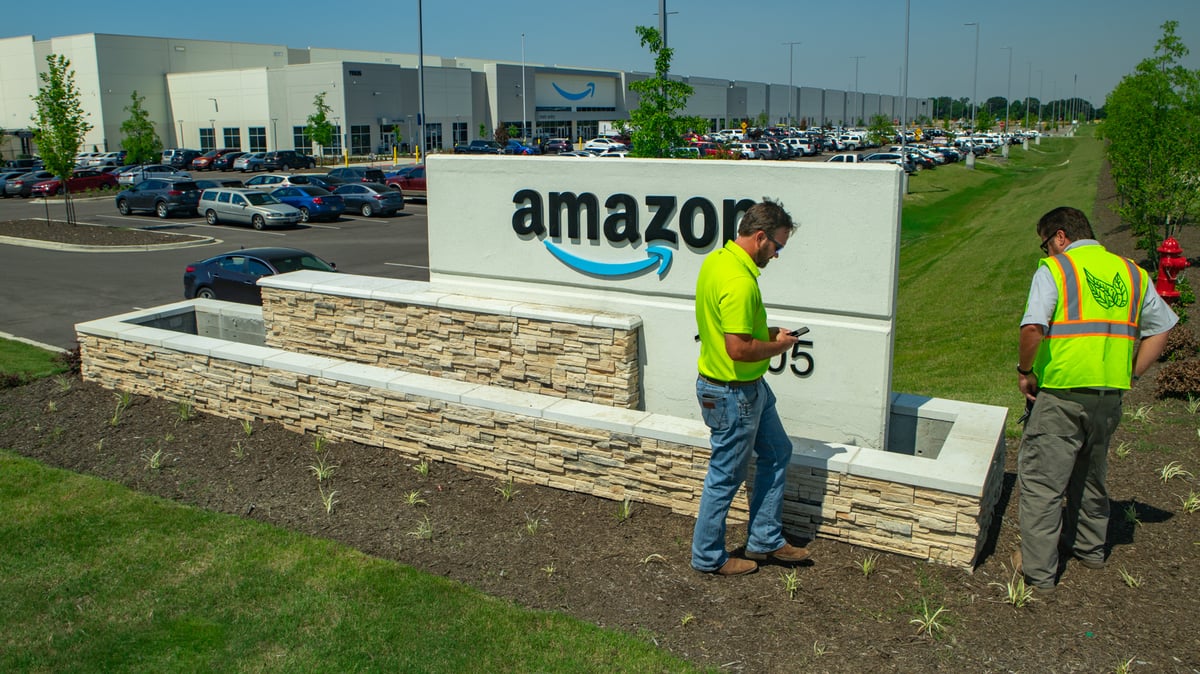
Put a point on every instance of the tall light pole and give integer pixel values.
(904, 95)
(420, 82)
(1028, 87)
(791, 89)
(523, 122)
(975, 80)
(1041, 90)
(856, 112)
(1008, 96)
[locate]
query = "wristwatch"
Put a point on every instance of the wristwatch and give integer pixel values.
(1024, 372)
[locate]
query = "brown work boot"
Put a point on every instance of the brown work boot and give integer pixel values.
(736, 567)
(788, 554)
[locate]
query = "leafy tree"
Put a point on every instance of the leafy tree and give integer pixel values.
(655, 127)
(501, 135)
(881, 130)
(141, 140)
(483, 131)
(59, 122)
(984, 121)
(319, 128)
(1153, 133)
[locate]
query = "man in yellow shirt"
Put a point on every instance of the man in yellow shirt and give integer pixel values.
(736, 347)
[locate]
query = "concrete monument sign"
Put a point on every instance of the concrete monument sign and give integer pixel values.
(629, 235)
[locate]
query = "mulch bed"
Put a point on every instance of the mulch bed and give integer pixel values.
(553, 550)
(59, 231)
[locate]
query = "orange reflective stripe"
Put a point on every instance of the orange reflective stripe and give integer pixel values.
(1135, 302)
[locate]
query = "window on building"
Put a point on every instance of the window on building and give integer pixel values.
(233, 137)
(460, 132)
(335, 147)
(433, 136)
(301, 140)
(360, 139)
(208, 140)
(258, 138)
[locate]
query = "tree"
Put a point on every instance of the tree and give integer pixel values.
(501, 135)
(59, 122)
(141, 140)
(984, 121)
(881, 130)
(319, 128)
(1153, 133)
(655, 127)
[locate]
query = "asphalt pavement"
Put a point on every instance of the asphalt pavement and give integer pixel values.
(46, 292)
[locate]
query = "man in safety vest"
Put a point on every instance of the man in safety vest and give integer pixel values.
(1093, 323)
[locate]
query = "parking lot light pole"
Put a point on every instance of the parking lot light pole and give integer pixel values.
(975, 79)
(856, 112)
(791, 88)
(1008, 96)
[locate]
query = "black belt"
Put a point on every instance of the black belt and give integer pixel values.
(1086, 390)
(732, 384)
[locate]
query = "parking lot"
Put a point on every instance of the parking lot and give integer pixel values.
(48, 291)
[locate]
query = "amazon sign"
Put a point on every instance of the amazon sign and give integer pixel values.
(561, 91)
(627, 237)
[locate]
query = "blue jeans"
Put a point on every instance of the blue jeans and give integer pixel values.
(741, 418)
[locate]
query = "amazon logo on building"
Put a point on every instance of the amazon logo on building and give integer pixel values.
(699, 222)
(589, 91)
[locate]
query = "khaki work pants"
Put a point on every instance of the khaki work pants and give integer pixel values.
(1064, 453)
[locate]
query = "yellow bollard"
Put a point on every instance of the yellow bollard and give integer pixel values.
(418, 154)
(394, 155)
(345, 157)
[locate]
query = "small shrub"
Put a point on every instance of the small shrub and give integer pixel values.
(791, 582)
(927, 621)
(508, 490)
(422, 468)
(625, 510)
(868, 565)
(413, 498)
(1182, 344)
(72, 360)
(63, 382)
(1179, 379)
(247, 427)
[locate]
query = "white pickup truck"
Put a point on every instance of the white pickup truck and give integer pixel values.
(847, 158)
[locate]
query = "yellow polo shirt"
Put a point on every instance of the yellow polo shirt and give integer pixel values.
(728, 301)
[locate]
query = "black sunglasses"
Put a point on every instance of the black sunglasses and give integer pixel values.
(1046, 242)
(778, 246)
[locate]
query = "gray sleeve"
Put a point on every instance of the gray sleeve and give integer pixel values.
(1157, 316)
(1043, 297)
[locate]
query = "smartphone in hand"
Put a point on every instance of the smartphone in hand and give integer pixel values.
(798, 332)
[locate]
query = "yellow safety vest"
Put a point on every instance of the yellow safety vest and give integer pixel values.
(1095, 328)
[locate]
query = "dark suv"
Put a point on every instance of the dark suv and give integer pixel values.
(282, 160)
(359, 174)
(164, 196)
(180, 159)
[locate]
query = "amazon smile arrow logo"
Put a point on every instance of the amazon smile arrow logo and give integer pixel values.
(655, 255)
(590, 90)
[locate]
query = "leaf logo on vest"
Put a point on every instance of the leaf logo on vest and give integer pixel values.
(1108, 295)
(588, 91)
(696, 221)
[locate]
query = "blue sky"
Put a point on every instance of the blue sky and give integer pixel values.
(1099, 41)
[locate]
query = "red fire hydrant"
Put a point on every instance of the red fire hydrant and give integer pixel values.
(1170, 262)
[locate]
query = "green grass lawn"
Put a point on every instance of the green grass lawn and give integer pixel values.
(96, 578)
(969, 249)
(28, 362)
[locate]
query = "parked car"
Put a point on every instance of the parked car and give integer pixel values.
(361, 174)
(179, 158)
(848, 158)
(22, 185)
(225, 161)
(603, 144)
(371, 198)
(479, 147)
(79, 182)
(116, 158)
(164, 196)
(411, 183)
(282, 160)
(556, 145)
(5, 177)
(744, 150)
(514, 146)
(325, 180)
(269, 181)
(251, 161)
(314, 203)
(246, 206)
(233, 276)
(224, 182)
(27, 164)
(137, 174)
(208, 160)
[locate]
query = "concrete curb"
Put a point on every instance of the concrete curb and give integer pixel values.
(78, 248)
